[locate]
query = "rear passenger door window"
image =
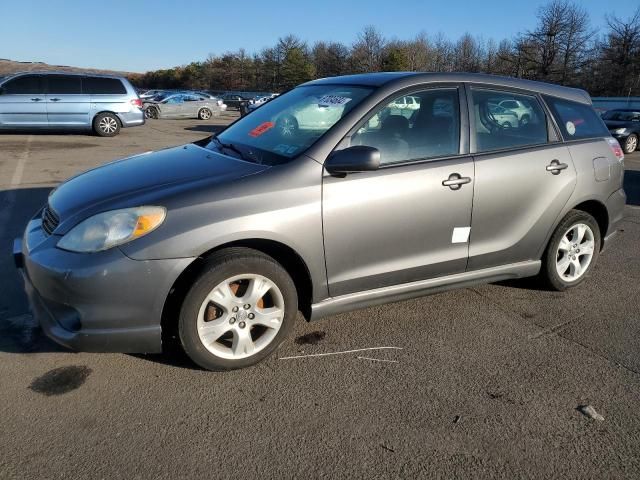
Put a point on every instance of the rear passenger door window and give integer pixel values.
(495, 127)
(429, 130)
(576, 120)
(64, 84)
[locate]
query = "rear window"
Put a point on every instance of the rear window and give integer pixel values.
(576, 120)
(103, 86)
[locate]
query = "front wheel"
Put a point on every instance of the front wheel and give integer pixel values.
(631, 143)
(238, 311)
(572, 251)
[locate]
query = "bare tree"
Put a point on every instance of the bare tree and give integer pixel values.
(366, 53)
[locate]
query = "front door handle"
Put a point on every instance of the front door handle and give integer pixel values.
(36, 99)
(54, 99)
(555, 167)
(455, 181)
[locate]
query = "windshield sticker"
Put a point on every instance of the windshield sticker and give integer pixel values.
(571, 128)
(260, 129)
(333, 101)
(285, 149)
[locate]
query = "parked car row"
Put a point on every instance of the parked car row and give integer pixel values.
(175, 105)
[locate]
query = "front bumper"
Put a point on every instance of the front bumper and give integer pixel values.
(98, 302)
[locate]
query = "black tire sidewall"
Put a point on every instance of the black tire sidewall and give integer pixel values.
(96, 125)
(220, 267)
(550, 272)
(202, 110)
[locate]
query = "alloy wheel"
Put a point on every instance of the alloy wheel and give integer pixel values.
(205, 114)
(575, 252)
(631, 143)
(240, 316)
(108, 125)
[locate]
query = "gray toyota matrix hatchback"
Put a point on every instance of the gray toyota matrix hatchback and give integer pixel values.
(334, 196)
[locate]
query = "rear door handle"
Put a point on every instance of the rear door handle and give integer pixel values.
(455, 181)
(54, 99)
(555, 167)
(36, 99)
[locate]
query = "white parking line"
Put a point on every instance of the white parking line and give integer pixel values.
(16, 179)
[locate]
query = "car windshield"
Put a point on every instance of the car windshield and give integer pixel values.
(621, 115)
(289, 124)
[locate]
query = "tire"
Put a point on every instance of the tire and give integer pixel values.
(220, 325)
(106, 125)
(287, 126)
(574, 257)
(151, 112)
(524, 120)
(631, 143)
(204, 114)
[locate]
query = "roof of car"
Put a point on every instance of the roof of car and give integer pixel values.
(406, 79)
(56, 72)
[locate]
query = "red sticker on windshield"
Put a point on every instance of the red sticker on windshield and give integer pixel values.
(260, 129)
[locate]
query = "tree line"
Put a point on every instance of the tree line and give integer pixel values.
(563, 48)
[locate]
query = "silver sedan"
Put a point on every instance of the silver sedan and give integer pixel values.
(182, 105)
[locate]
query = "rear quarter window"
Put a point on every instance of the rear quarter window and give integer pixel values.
(103, 86)
(576, 120)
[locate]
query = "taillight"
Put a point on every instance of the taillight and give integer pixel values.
(616, 148)
(136, 102)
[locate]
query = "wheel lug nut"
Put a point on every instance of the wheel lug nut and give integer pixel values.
(247, 306)
(251, 316)
(232, 320)
(235, 309)
(242, 324)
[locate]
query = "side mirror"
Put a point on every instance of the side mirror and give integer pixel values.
(358, 158)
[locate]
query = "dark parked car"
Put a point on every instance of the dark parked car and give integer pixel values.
(316, 202)
(233, 100)
(625, 126)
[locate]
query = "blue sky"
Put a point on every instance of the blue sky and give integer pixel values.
(139, 35)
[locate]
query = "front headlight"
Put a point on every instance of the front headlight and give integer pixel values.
(620, 130)
(110, 229)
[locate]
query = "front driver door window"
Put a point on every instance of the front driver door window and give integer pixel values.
(400, 223)
(23, 101)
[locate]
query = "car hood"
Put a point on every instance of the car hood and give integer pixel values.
(143, 177)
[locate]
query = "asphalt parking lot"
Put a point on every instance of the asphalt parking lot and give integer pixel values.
(483, 382)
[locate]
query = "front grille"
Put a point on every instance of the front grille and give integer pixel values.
(50, 220)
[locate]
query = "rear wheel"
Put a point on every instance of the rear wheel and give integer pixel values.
(238, 311)
(572, 251)
(106, 125)
(204, 114)
(631, 143)
(151, 112)
(524, 120)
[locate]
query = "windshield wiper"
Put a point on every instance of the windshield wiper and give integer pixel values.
(232, 147)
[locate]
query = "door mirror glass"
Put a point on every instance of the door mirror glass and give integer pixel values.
(359, 158)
